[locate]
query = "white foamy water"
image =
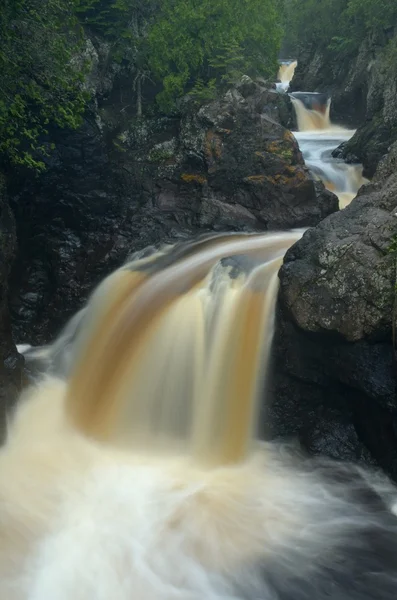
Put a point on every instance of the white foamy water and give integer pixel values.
(339, 177)
(132, 469)
(318, 138)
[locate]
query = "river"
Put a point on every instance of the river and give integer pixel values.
(318, 137)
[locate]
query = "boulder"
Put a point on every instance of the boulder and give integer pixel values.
(336, 372)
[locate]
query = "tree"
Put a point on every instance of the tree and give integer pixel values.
(207, 40)
(40, 83)
(125, 24)
(337, 25)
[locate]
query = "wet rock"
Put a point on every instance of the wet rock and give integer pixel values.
(369, 144)
(342, 153)
(232, 162)
(387, 166)
(11, 363)
(350, 271)
(113, 189)
(70, 231)
(336, 371)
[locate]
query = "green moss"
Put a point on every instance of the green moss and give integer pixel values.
(281, 149)
(190, 178)
(392, 248)
(256, 179)
(159, 155)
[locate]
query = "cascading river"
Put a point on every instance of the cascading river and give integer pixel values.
(318, 138)
(132, 468)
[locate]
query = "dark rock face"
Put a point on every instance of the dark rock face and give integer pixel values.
(369, 144)
(232, 166)
(363, 90)
(108, 192)
(11, 363)
(345, 82)
(336, 370)
(340, 277)
(69, 224)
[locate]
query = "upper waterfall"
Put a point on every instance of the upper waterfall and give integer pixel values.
(312, 111)
(285, 74)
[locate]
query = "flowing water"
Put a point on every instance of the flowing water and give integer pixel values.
(318, 138)
(285, 74)
(133, 468)
(178, 349)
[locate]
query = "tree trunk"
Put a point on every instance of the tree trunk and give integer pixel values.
(139, 97)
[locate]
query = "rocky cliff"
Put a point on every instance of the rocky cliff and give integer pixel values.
(11, 364)
(363, 89)
(120, 184)
(336, 372)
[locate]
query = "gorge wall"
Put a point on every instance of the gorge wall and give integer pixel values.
(11, 363)
(119, 184)
(363, 87)
(335, 384)
(335, 369)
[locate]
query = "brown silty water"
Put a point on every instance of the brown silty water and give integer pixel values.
(137, 472)
(175, 353)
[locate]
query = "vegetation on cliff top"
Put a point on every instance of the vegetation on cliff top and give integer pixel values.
(39, 85)
(337, 25)
(182, 46)
(213, 42)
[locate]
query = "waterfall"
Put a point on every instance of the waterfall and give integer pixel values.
(312, 119)
(177, 356)
(318, 137)
(132, 468)
(285, 74)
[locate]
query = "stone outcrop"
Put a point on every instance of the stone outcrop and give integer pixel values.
(336, 369)
(11, 364)
(230, 165)
(120, 184)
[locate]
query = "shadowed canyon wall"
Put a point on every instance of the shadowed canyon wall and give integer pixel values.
(120, 184)
(363, 89)
(335, 383)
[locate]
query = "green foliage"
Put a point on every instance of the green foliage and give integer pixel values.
(372, 15)
(183, 46)
(392, 249)
(40, 85)
(390, 57)
(194, 41)
(124, 23)
(230, 62)
(203, 92)
(337, 25)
